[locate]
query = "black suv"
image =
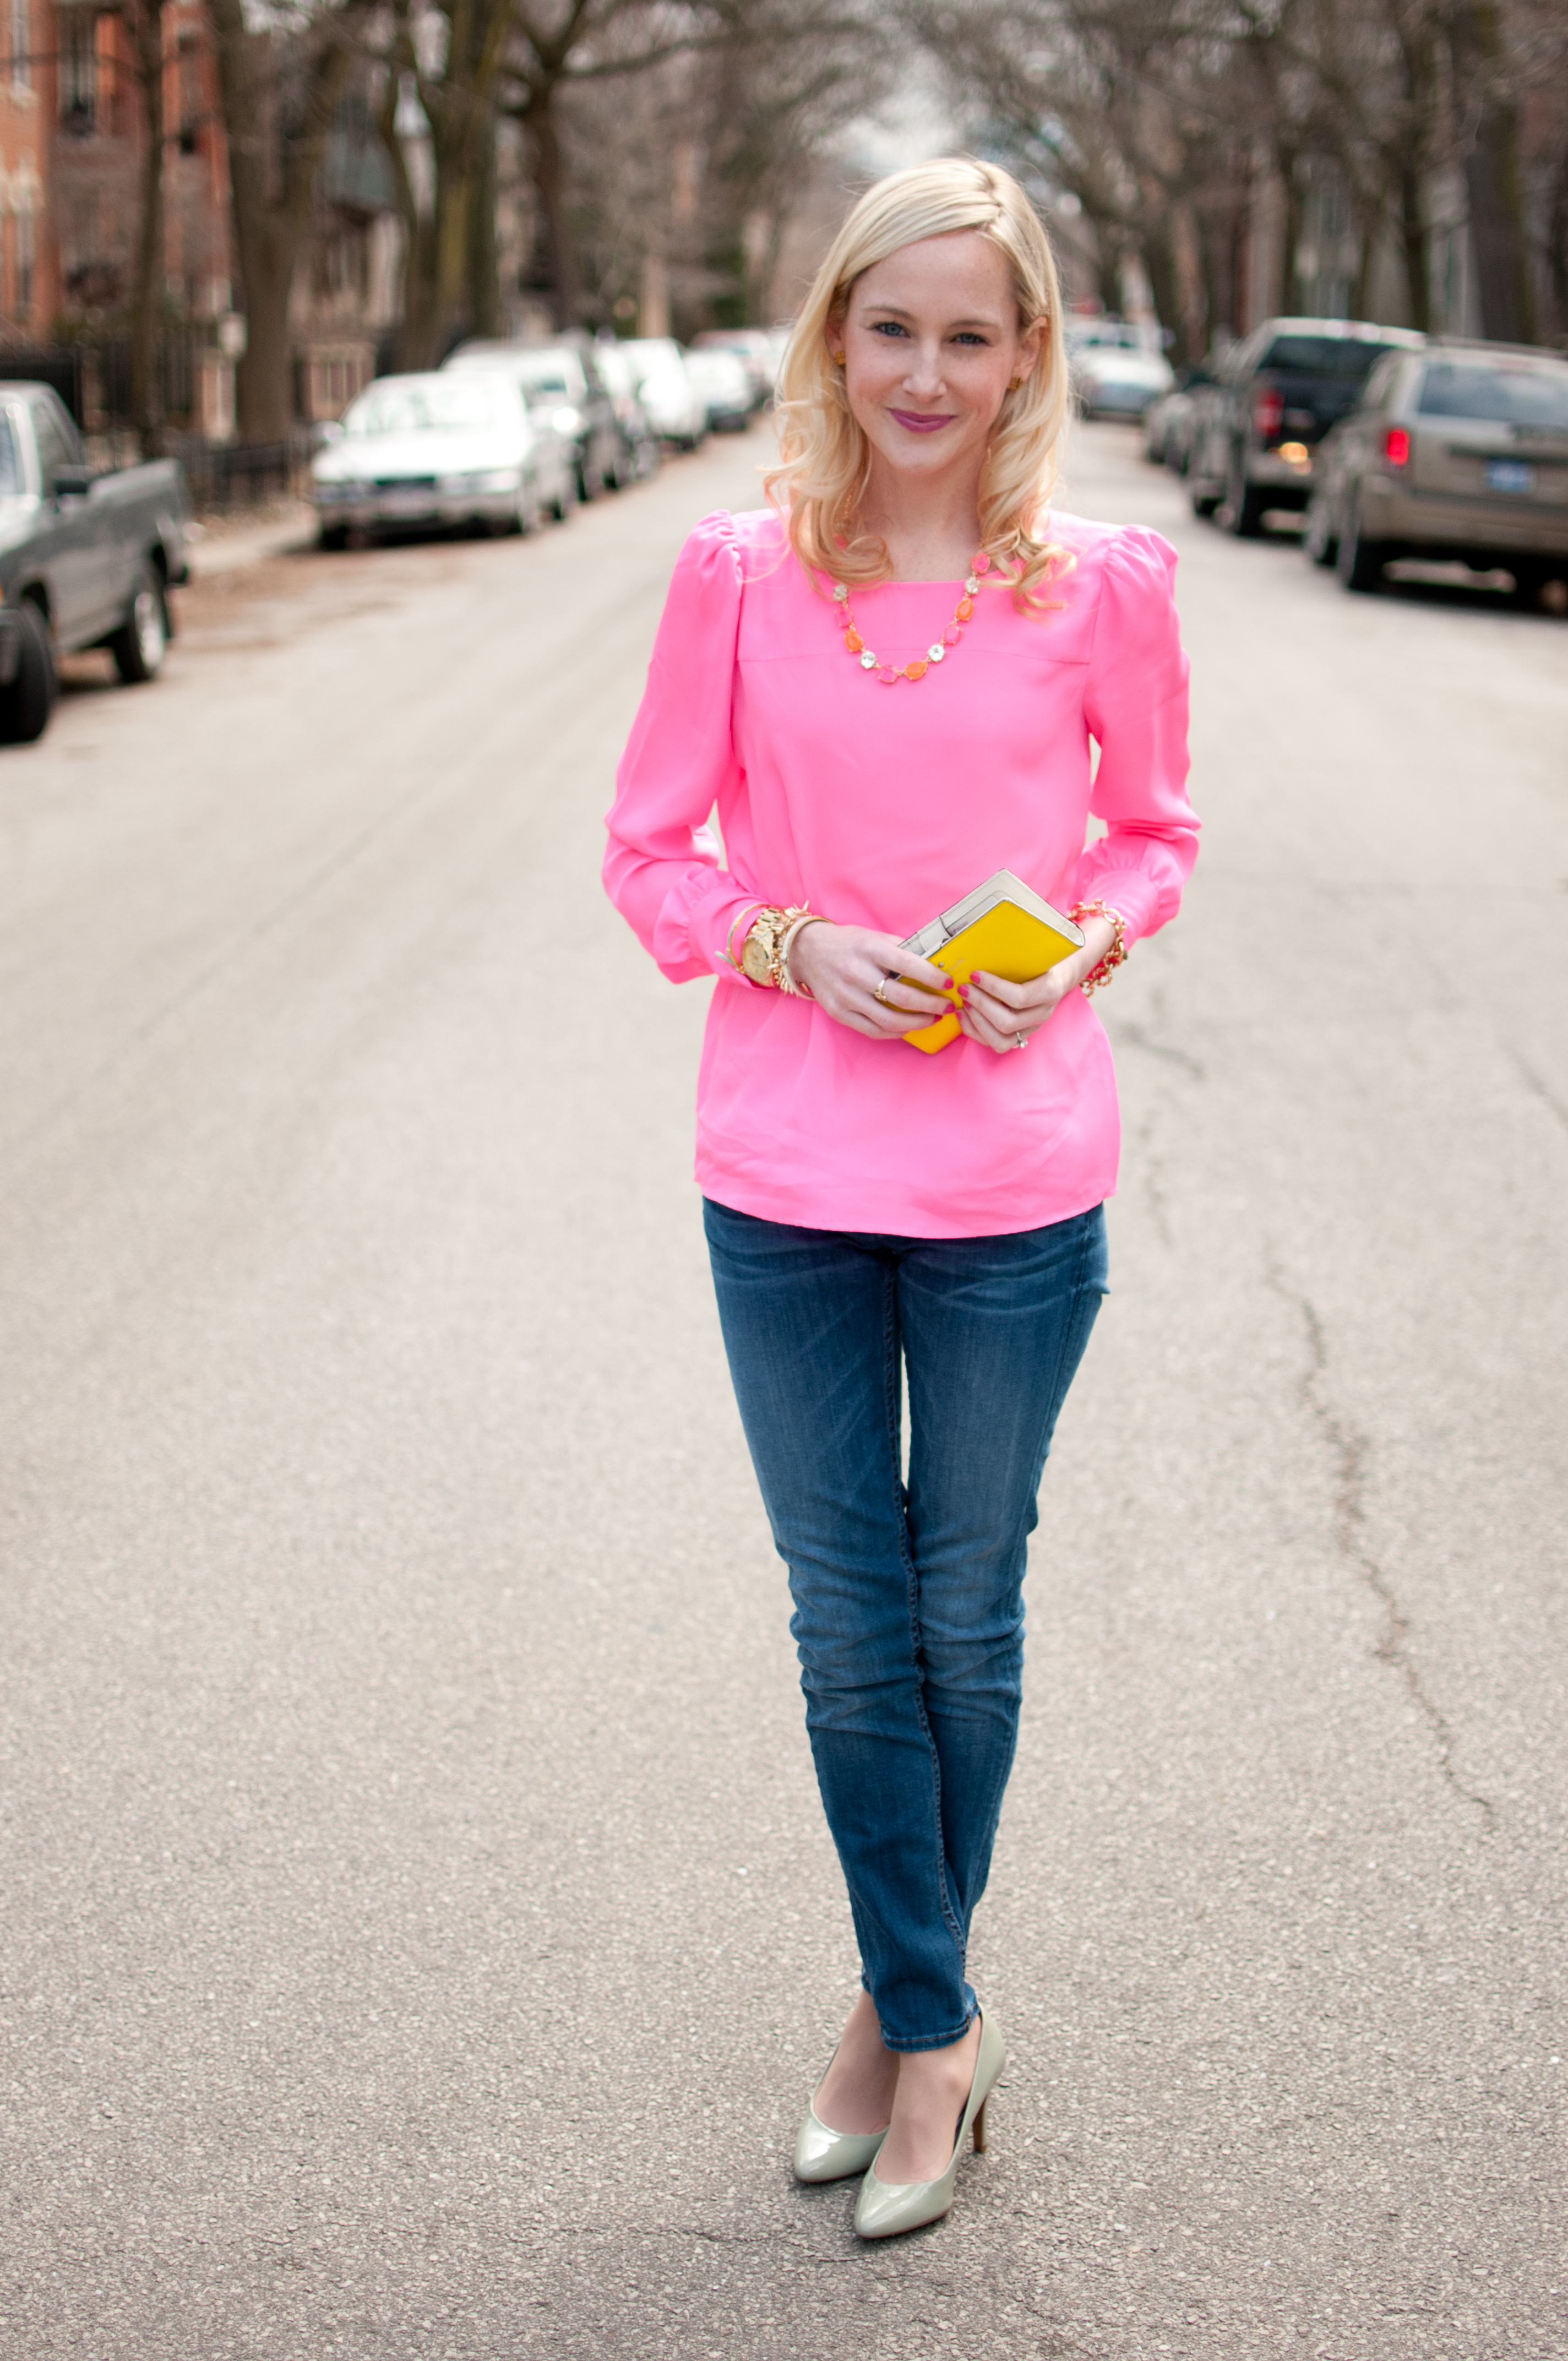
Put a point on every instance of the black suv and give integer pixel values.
(1273, 398)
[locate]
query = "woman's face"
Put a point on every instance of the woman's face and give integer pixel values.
(931, 341)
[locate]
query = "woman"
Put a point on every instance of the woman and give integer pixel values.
(888, 683)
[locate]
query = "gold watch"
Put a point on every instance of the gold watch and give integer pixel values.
(762, 952)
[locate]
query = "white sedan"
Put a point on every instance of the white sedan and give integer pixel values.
(434, 450)
(1119, 380)
(671, 403)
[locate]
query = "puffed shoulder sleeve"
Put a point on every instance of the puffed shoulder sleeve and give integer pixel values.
(661, 867)
(1135, 703)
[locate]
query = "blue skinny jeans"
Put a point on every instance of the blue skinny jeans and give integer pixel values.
(908, 1598)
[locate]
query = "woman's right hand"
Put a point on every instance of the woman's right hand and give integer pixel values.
(841, 967)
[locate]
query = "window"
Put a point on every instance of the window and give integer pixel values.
(1345, 357)
(193, 108)
(10, 466)
(1380, 384)
(55, 440)
(1517, 393)
(429, 405)
(26, 254)
(78, 71)
(21, 44)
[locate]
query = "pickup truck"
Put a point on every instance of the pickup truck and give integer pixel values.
(85, 561)
(1256, 429)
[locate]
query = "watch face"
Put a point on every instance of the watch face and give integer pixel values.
(754, 958)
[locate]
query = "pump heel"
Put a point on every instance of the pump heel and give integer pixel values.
(886, 2210)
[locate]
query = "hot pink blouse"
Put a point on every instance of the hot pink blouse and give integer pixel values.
(881, 807)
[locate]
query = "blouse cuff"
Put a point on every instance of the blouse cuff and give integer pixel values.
(692, 932)
(1134, 897)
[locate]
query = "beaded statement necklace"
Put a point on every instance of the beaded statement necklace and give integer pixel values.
(887, 674)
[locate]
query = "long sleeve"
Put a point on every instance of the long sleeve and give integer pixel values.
(1136, 705)
(661, 867)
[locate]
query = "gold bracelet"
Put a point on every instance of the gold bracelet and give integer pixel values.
(744, 911)
(796, 926)
(759, 961)
(1105, 967)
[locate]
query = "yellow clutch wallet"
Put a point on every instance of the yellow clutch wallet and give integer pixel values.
(1004, 930)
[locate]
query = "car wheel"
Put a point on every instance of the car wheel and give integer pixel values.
(1358, 561)
(140, 645)
(1204, 502)
(332, 536)
(27, 702)
(1320, 540)
(1244, 500)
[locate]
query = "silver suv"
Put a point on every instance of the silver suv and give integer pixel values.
(1458, 452)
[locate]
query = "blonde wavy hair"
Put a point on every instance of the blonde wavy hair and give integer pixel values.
(824, 456)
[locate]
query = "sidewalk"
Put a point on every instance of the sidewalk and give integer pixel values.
(221, 543)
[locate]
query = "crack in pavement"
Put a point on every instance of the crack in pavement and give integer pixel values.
(1538, 1089)
(1350, 1451)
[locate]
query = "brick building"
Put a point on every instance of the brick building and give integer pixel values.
(28, 284)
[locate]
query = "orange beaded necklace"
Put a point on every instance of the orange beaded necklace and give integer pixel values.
(887, 674)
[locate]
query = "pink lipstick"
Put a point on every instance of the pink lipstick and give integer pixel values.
(921, 421)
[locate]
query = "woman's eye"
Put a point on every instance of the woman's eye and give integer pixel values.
(889, 328)
(968, 337)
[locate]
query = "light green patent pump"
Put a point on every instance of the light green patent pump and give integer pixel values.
(823, 2153)
(885, 2209)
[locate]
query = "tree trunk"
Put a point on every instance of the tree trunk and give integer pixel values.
(1291, 293)
(147, 298)
(548, 173)
(439, 257)
(1158, 252)
(484, 262)
(1492, 177)
(1415, 244)
(272, 187)
(264, 381)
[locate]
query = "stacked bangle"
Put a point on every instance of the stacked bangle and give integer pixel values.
(763, 956)
(744, 912)
(1105, 968)
(796, 926)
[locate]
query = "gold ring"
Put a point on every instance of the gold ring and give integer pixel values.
(881, 993)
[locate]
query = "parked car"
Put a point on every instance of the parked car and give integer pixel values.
(450, 449)
(639, 444)
(676, 411)
(1457, 452)
(1169, 420)
(1273, 398)
(560, 383)
(1085, 329)
(723, 384)
(1117, 380)
(755, 348)
(85, 560)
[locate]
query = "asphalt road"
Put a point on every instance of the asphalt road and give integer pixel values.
(419, 1934)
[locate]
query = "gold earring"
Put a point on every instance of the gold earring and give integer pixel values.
(839, 359)
(1014, 383)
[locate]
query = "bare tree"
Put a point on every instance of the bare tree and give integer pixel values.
(279, 87)
(143, 20)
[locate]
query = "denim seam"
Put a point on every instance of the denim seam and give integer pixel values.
(890, 1333)
(1069, 1330)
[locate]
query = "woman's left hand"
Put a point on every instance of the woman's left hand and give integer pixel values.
(995, 1012)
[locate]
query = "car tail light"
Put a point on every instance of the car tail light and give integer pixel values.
(1269, 412)
(1397, 447)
